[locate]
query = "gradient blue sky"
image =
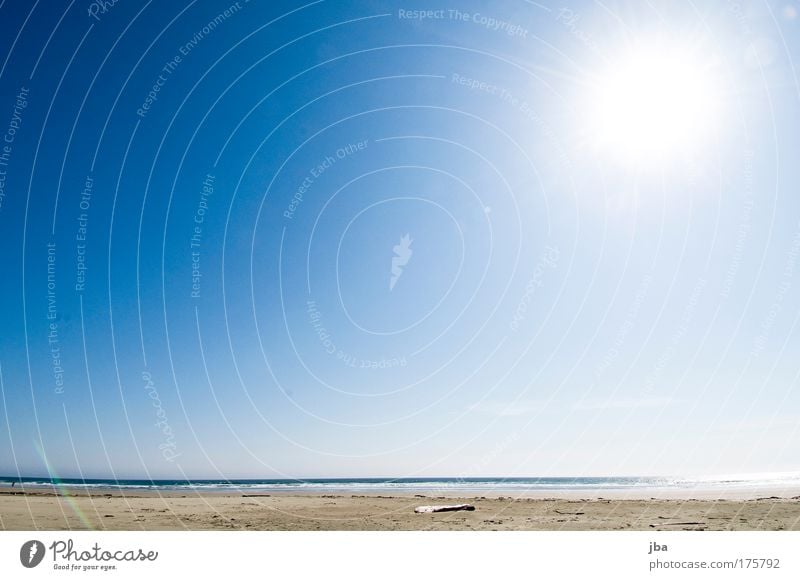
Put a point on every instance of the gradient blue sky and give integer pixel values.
(562, 312)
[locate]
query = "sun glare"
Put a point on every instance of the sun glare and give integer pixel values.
(653, 104)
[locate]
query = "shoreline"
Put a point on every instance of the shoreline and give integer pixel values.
(730, 493)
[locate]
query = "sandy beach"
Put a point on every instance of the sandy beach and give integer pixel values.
(121, 510)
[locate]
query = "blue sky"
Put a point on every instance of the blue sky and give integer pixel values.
(225, 189)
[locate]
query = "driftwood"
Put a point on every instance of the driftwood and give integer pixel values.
(678, 524)
(429, 509)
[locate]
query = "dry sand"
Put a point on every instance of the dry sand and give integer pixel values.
(45, 510)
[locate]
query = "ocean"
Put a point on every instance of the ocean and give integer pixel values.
(509, 485)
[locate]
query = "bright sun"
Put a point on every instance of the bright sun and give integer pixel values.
(653, 104)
